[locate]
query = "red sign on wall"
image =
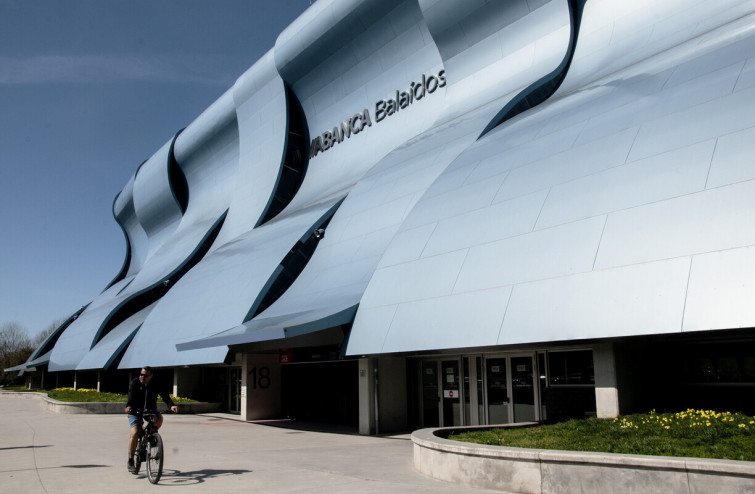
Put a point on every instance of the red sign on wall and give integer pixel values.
(285, 355)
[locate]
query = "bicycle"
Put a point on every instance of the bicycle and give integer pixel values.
(149, 449)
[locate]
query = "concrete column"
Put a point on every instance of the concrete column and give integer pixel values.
(260, 387)
(367, 396)
(99, 380)
(75, 380)
(175, 382)
(606, 389)
(392, 410)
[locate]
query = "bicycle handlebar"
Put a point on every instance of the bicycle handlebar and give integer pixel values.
(142, 413)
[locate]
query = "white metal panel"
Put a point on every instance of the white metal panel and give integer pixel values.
(429, 277)
(583, 160)
(549, 253)
(374, 324)
(503, 220)
(465, 320)
(734, 159)
(642, 299)
(407, 245)
(747, 77)
(675, 173)
(453, 203)
(713, 220)
(721, 291)
(695, 124)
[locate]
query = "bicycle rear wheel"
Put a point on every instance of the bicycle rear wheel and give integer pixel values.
(154, 457)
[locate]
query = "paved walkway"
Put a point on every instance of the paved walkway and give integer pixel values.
(45, 452)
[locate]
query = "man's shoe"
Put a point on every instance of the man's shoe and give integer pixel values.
(130, 465)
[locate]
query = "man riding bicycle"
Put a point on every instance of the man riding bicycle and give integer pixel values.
(142, 398)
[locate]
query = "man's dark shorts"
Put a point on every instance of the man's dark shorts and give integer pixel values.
(134, 420)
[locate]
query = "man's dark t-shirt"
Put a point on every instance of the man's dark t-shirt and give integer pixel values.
(144, 396)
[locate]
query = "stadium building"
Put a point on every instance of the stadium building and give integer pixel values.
(417, 213)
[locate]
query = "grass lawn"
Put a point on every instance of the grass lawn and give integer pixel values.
(692, 433)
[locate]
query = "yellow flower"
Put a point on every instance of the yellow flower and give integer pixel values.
(742, 426)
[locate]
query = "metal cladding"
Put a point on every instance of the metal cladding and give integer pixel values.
(458, 174)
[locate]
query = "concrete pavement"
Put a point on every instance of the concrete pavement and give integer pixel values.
(45, 452)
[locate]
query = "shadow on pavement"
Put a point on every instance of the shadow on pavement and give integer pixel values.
(178, 478)
(26, 447)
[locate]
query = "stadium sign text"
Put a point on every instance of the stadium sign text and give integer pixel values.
(384, 108)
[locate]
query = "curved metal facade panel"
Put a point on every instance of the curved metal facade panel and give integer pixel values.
(217, 293)
(592, 216)
(481, 42)
(609, 203)
(371, 51)
(174, 241)
(261, 111)
(154, 202)
(136, 238)
(104, 354)
(356, 239)
(78, 338)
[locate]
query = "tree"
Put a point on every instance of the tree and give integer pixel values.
(15, 348)
(37, 341)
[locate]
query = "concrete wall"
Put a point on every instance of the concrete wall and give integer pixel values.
(392, 395)
(606, 388)
(521, 470)
(366, 396)
(260, 387)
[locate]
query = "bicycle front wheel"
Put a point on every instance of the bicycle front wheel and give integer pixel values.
(154, 457)
(139, 456)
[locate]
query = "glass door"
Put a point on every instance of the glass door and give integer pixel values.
(497, 391)
(523, 389)
(451, 385)
(430, 394)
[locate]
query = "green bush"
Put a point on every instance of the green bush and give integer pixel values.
(83, 394)
(691, 433)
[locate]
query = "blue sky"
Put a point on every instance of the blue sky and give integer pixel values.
(88, 90)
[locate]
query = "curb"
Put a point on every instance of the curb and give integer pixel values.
(534, 471)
